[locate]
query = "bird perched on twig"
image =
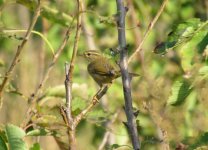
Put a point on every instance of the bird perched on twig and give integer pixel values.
(101, 68)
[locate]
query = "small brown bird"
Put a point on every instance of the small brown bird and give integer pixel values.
(102, 69)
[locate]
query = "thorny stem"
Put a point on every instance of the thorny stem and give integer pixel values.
(150, 27)
(131, 123)
(18, 52)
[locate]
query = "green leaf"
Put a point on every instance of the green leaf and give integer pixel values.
(2, 144)
(203, 71)
(39, 132)
(77, 105)
(1, 63)
(57, 91)
(116, 146)
(201, 140)
(14, 136)
(180, 90)
(35, 146)
(97, 115)
(189, 49)
(191, 35)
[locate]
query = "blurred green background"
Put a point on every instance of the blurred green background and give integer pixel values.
(171, 94)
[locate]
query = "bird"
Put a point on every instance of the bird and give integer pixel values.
(101, 68)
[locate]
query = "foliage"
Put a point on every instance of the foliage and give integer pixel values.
(170, 97)
(13, 137)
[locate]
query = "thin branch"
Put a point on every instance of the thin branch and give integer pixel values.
(94, 101)
(35, 95)
(77, 36)
(150, 27)
(131, 123)
(68, 81)
(68, 97)
(35, 32)
(18, 53)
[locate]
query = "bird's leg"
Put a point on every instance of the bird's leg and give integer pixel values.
(100, 93)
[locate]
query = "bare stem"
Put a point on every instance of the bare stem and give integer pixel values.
(131, 123)
(94, 101)
(77, 36)
(68, 82)
(16, 58)
(150, 27)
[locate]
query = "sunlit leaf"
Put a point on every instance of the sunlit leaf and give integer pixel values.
(191, 34)
(200, 141)
(39, 132)
(35, 146)
(57, 91)
(203, 71)
(97, 115)
(46, 120)
(2, 144)
(117, 146)
(77, 105)
(180, 90)
(1, 63)
(15, 135)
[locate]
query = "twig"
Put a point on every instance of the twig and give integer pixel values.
(78, 31)
(18, 52)
(94, 101)
(151, 25)
(131, 124)
(35, 95)
(68, 96)
(68, 111)
(133, 20)
(68, 81)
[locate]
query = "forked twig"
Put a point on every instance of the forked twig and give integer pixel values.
(68, 81)
(150, 27)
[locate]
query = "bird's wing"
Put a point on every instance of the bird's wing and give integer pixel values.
(101, 68)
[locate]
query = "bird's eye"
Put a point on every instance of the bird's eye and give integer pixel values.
(88, 54)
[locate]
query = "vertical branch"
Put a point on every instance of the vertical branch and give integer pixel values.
(68, 81)
(131, 124)
(18, 52)
(78, 31)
